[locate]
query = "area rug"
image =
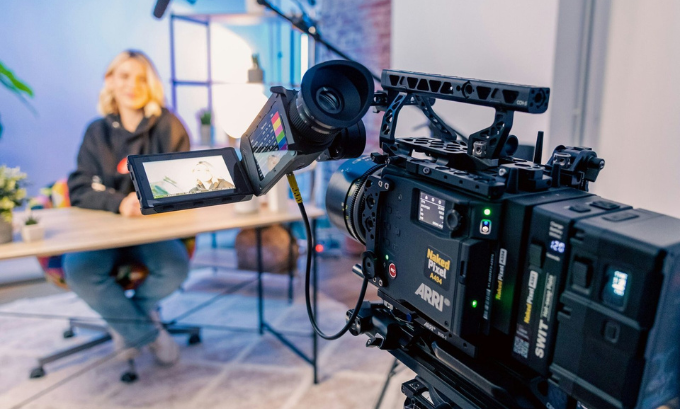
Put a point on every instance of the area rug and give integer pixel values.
(228, 369)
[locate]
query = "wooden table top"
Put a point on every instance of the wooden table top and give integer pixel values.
(73, 229)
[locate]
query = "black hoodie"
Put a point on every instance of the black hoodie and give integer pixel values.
(101, 180)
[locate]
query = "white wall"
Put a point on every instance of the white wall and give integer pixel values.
(61, 50)
(640, 123)
(507, 41)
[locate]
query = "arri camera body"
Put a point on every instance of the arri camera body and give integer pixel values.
(504, 282)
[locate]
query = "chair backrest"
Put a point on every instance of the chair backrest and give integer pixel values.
(129, 275)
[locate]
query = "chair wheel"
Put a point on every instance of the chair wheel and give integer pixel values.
(128, 377)
(38, 372)
(194, 339)
(69, 333)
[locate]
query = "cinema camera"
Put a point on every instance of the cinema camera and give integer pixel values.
(505, 284)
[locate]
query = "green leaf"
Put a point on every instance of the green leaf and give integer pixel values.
(17, 85)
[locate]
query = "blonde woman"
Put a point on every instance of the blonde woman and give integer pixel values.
(206, 181)
(134, 122)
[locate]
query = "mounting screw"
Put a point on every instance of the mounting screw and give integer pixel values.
(502, 172)
(380, 282)
(426, 171)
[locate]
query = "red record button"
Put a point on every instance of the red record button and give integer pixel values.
(393, 270)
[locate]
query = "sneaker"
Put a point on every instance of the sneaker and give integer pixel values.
(123, 353)
(164, 348)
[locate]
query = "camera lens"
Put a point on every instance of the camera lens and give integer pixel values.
(334, 95)
(345, 197)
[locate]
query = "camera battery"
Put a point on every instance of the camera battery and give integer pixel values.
(543, 280)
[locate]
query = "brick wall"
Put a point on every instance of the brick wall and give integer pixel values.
(362, 30)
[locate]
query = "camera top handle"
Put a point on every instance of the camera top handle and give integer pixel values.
(485, 146)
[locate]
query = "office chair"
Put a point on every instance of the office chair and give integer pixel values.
(129, 276)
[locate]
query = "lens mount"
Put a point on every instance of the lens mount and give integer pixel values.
(345, 200)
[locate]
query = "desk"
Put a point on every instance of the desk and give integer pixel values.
(73, 229)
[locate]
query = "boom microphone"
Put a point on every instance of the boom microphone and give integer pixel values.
(161, 6)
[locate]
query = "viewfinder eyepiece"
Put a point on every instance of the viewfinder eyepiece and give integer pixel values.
(333, 95)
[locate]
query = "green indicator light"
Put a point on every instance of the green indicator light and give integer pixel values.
(387, 257)
(474, 303)
(487, 212)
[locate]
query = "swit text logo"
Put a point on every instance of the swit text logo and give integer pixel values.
(431, 296)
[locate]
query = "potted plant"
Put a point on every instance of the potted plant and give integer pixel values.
(12, 194)
(32, 230)
(205, 117)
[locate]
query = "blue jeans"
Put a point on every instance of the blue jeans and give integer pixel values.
(88, 274)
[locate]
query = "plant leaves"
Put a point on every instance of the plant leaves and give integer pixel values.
(17, 85)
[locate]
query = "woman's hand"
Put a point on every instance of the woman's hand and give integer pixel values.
(129, 207)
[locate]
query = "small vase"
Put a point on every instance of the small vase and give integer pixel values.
(5, 230)
(32, 232)
(206, 135)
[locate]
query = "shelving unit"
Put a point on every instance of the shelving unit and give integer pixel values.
(274, 56)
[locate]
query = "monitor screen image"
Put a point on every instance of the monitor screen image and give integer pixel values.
(177, 177)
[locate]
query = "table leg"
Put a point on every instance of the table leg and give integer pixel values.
(291, 264)
(315, 337)
(260, 285)
(214, 247)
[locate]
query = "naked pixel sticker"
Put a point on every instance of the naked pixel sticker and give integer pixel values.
(437, 267)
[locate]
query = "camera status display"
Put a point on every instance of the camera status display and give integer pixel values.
(177, 177)
(431, 210)
(269, 144)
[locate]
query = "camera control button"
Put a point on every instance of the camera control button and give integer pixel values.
(579, 208)
(621, 216)
(453, 220)
(393, 270)
(601, 204)
(536, 255)
(485, 226)
(611, 331)
(581, 275)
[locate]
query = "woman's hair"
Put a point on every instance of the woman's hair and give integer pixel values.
(208, 166)
(107, 103)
